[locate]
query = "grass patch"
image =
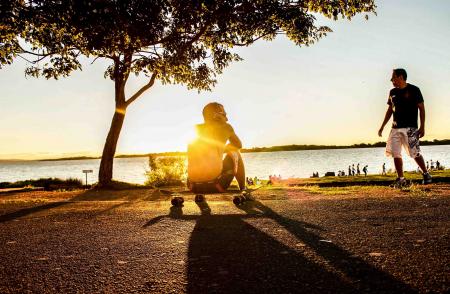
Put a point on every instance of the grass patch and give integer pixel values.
(48, 184)
(346, 190)
(439, 176)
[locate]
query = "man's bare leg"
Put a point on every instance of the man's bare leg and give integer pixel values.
(421, 163)
(398, 162)
(240, 175)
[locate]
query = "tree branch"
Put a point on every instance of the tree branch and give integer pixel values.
(142, 90)
(256, 39)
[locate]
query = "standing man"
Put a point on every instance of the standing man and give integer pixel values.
(404, 102)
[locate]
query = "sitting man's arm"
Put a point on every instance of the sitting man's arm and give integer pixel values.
(234, 142)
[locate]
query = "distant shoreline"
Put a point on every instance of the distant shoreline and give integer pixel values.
(292, 147)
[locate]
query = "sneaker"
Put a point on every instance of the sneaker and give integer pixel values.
(427, 179)
(400, 183)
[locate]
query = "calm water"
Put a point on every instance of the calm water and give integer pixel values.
(286, 163)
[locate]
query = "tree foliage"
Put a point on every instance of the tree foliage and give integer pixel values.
(184, 42)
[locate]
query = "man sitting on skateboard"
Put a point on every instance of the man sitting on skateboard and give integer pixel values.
(208, 170)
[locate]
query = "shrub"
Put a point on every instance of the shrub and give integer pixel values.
(166, 171)
(47, 183)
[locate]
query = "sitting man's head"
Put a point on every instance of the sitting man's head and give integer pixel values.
(214, 112)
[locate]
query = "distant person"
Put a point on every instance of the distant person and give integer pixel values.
(384, 169)
(365, 170)
(358, 172)
(404, 102)
(255, 181)
(431, 164)
(353, 169)
(209, 170)
(438, 165)
(349, 170)
(428, 165)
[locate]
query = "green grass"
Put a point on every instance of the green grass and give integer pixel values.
(46, 183)
(441, 176)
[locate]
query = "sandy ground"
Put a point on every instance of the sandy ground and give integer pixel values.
(289, 240)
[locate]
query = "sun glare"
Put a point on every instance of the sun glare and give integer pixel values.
(189, 135)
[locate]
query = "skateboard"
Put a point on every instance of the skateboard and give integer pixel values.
(238, 199)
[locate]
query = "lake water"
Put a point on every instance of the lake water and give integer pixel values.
(299, 164)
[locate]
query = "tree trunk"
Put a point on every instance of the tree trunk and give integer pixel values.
(109, 150)
(106, 164)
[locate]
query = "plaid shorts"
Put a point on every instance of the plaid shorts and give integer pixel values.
(406, 137)
(218, 185)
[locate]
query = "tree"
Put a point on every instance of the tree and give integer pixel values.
(185, 42)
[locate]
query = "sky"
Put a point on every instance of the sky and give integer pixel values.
(331, 93)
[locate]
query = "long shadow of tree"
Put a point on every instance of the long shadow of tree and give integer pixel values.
(228, 255)
(90, 195)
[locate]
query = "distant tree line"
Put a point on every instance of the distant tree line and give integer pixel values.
(320, 147)
(266, 149)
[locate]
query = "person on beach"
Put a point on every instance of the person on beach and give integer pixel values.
(209, 170)
(384, 169)
(404, 102)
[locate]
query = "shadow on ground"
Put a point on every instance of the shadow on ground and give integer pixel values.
(227, 254)
(124, 197)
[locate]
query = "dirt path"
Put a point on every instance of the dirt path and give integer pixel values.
(289, 240)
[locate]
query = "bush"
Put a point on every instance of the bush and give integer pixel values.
(47, 183)
(166, 171)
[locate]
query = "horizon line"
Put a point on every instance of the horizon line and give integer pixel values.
(245, 150)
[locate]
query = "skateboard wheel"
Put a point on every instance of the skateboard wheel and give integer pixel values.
(199, 198)
(177, 201)
(238, 200)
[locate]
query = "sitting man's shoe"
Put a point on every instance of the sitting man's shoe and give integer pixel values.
(427, 179)
(400, 183)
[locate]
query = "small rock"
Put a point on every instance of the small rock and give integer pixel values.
(376, 254)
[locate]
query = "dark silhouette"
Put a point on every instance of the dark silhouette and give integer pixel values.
(272, 267)
(365, 170)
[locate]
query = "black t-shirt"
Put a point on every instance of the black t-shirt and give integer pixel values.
(404, 105)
